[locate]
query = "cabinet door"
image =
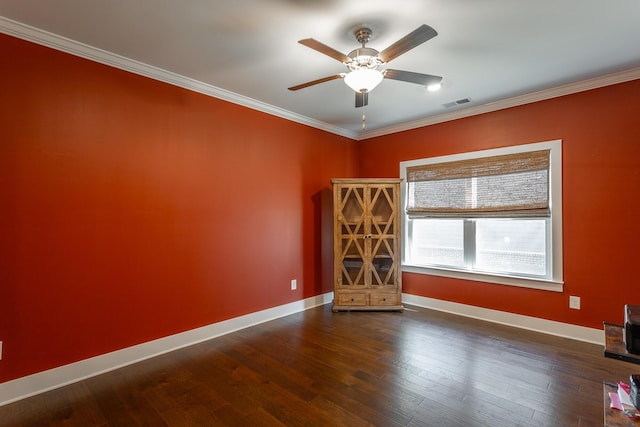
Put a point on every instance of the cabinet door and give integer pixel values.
(350, 223)
(383, 245)
(367, 222)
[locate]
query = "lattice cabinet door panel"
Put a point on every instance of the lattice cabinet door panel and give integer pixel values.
(367, 272)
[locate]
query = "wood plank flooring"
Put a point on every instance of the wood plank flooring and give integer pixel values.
(319, 368)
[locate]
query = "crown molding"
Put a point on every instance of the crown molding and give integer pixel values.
(41, 37)
(568, 89)
(44, 38)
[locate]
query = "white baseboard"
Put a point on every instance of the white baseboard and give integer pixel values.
(41, 382)
(580, 333)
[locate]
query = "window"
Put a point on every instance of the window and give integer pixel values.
(493, 215)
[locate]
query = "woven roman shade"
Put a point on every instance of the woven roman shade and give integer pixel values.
(498, 186)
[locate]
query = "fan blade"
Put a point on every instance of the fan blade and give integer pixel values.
(410, 77)
(362, 99)
(323, 48)
(408, 42)
(315, 82)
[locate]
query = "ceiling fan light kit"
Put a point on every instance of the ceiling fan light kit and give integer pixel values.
(363, 63)
(363, 79)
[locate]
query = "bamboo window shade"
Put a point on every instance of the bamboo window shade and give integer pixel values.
(498, 186)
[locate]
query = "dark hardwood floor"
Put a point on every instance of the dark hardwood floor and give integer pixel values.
(318, 368)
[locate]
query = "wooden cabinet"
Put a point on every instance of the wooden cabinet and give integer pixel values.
(366, 242)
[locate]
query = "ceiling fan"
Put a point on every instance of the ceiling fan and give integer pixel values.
(364, 63)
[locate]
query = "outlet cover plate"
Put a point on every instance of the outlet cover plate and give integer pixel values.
(574, 302)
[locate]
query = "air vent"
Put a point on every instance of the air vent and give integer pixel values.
(458, 102)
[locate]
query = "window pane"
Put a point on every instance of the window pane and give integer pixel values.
(438, 242)
(511, 246)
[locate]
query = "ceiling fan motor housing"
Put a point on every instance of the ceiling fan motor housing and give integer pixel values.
(363, 57)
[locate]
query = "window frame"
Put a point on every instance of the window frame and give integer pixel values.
(555, 282)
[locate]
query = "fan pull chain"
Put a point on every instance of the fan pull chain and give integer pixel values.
(364, 118)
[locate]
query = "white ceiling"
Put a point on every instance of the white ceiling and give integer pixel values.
(246, 51)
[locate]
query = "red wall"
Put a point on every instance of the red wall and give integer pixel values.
(600, 130)
(131, 209)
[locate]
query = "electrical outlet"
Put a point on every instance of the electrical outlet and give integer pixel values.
(294, 284)
(574, 302)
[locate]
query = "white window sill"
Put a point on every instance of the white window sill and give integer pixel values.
(547, 285)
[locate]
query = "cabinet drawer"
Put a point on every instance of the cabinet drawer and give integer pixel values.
(384, 299)
(352, 299)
